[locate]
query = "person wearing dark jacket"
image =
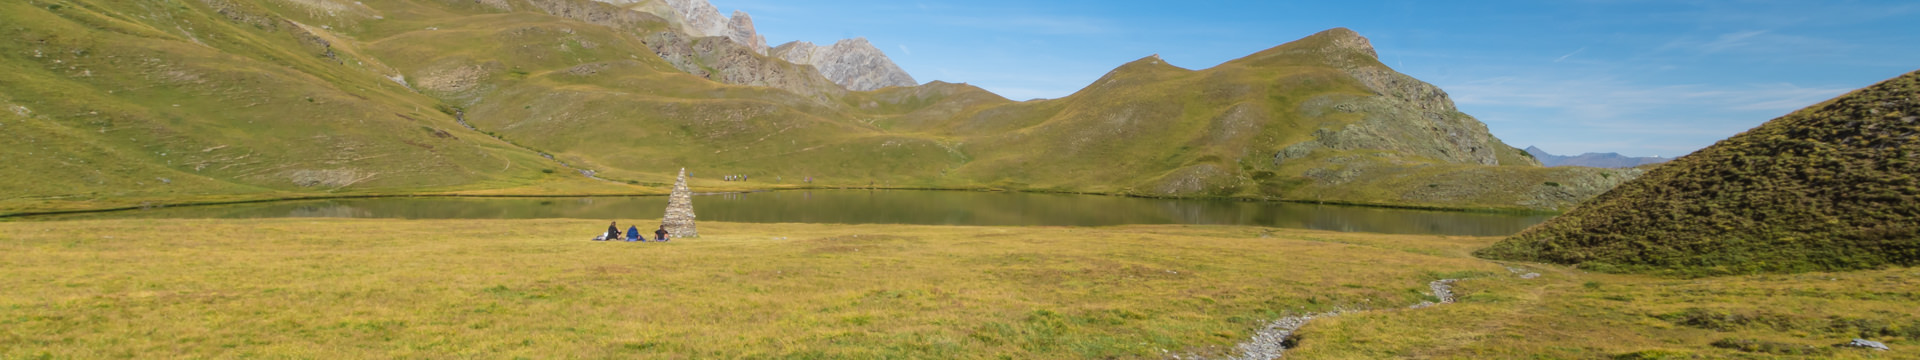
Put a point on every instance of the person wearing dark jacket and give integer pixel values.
(613, 231)
(661, 234)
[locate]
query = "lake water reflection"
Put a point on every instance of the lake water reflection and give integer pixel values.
(882, 207)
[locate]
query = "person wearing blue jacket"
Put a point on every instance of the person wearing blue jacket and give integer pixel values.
(633, 234)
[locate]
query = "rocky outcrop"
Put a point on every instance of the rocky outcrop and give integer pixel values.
(700, 19)
(853, 63)
(723, 61)
(733, 64)
(740, 30)
(1405, 114)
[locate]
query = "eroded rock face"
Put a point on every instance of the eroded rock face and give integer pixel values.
(729, 63)
(698, 18)
(1406, 114)
(723, 61)
(853, 63)
(740, 30)
(701, 19)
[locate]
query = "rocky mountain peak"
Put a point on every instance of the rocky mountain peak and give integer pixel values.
(853, 63)
(1347, 39)
(700, 19)
(740, 30)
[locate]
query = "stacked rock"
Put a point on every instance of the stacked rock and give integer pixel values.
(679, 217)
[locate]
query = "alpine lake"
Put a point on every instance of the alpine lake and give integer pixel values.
(918, 207)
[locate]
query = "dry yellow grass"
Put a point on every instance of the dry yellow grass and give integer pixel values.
(330, 288)
(1570, 314)
(538, 288)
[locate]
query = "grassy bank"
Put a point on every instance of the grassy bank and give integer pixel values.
(536, 288)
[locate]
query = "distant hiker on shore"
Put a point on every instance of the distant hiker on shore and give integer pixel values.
(633, 234)
(661, 235)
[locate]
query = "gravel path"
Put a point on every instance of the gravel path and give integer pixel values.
(1273, 341)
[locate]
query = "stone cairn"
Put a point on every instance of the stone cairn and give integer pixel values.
(679, 217)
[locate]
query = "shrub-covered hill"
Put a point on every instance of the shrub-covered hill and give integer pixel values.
(1829, 187)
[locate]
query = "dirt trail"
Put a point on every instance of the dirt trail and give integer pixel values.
(1273, 341)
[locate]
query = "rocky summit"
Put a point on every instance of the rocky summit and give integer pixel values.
(700, 18)
(1835, 186)
(853, 63)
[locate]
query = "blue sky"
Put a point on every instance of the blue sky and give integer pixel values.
(1643, 78)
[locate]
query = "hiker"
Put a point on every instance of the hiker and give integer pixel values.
(613, 231)
(661, 235)
(633, 234)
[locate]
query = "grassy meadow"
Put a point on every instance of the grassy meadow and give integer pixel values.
(333, 288)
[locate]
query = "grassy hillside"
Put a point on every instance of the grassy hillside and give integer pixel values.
(250, 99)
(122, 103)
(1829, 187)
(1147, 128)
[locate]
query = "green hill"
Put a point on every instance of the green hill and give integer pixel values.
(127, 103)
(131, 103)
(1829, 187)
(1314, 120)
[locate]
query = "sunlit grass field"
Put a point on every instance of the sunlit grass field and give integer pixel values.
(332, 288)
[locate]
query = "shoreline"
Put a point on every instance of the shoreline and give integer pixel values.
(23, 214)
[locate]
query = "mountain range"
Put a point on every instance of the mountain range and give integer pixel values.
(1599, 160)
(127, 104)
(853, 63)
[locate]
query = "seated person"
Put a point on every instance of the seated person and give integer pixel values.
(661, 235)
(633, 234)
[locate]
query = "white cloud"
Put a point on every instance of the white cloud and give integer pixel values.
(1568, 55)
(1730, 41)
(1759, 42)
(905, 51)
